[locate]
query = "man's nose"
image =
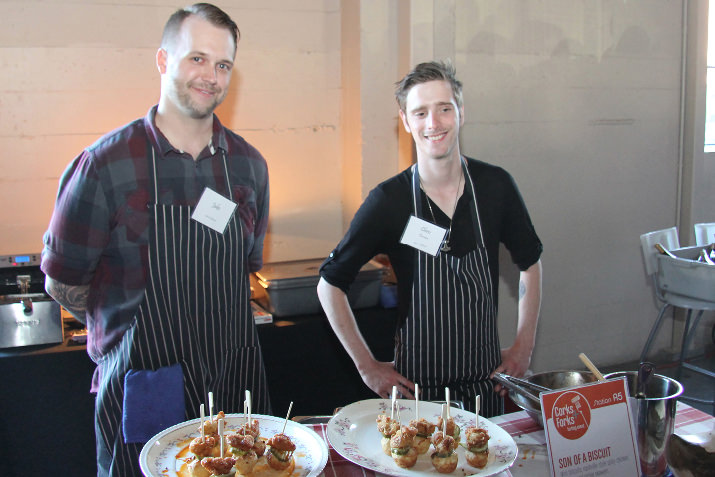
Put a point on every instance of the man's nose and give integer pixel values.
(209, 74)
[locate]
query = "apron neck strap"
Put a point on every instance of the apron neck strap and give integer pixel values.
(469, 188)
(154, 188)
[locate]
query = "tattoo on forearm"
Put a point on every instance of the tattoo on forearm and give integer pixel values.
(73, 298)
(522, 289)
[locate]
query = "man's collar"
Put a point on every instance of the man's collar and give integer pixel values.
(164, 147)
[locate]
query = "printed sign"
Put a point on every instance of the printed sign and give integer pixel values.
(589, 431)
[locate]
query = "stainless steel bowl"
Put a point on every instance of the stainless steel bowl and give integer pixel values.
(552, 380)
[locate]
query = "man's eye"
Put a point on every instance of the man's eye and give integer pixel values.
(196, 59)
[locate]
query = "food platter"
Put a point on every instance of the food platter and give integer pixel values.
(353, 433)
(165, 454)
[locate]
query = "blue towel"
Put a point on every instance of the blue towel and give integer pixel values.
(153, 401)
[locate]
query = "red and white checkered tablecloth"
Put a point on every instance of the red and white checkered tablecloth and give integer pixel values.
(532, 460)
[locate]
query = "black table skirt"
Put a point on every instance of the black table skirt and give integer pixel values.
(47, 411)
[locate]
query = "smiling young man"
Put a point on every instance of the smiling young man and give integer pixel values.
(155, 230)
(441, 223)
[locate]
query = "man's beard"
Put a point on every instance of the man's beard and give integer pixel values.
(193, 109)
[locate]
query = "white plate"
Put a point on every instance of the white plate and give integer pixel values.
(159, 456)
(353, 433)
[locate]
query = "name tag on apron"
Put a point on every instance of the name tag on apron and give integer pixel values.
(423, 235)
(214, 210)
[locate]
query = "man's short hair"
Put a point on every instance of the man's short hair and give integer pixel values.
(429, 71)
(208, 12)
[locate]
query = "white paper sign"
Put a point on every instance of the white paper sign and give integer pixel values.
(589, 431)
(423, 235)
(214, 210)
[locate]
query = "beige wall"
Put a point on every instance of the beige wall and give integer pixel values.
(579, 100)
(72, 71)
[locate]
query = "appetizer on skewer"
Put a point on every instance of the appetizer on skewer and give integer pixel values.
(280, 455)
(203, 446)
(219, 466)
(252, 429)
(425, 429)
(401, 448)
(387, 427)
(477, 446)
(452, 428)
(444, 458)
(242, 448)
(210, 426)
(280, 451)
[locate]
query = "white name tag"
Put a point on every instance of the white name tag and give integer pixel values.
(214, 210)
(423, 235)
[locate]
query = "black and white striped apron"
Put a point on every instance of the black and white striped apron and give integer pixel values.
(450, 336)
(196, 311)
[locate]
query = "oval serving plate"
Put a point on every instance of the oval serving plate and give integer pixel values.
(353, 433)
(163, 455)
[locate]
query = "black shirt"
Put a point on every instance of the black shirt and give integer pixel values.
(381, 220)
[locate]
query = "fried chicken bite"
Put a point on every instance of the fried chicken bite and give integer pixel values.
(444, 459)
(425, 429)
(203, 447)
(219, 466)
(452, 428)
(280, 452)
(211, 425)
(401, 448)
(477, 445)
(387, 428)
(252, 428)
(241, 446)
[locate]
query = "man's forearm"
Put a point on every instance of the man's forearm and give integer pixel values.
(529, 306)
(342, 320)
(72, 297)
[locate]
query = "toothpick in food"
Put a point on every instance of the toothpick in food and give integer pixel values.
(211, 406)
(286, 421)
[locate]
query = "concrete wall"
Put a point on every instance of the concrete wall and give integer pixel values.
(579, 100)
(73, 70)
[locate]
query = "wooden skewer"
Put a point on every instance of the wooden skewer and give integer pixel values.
(220, 436)
(202, 411)
(394, 396)
(445, 413)
(248, 405)
(446, 398)
(477, 411)
(286, 421)
(211, 406)
(417, 401)
(591, 367)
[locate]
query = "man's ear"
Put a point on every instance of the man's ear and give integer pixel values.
(461, 116)
(404, 122)
(161, 60)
